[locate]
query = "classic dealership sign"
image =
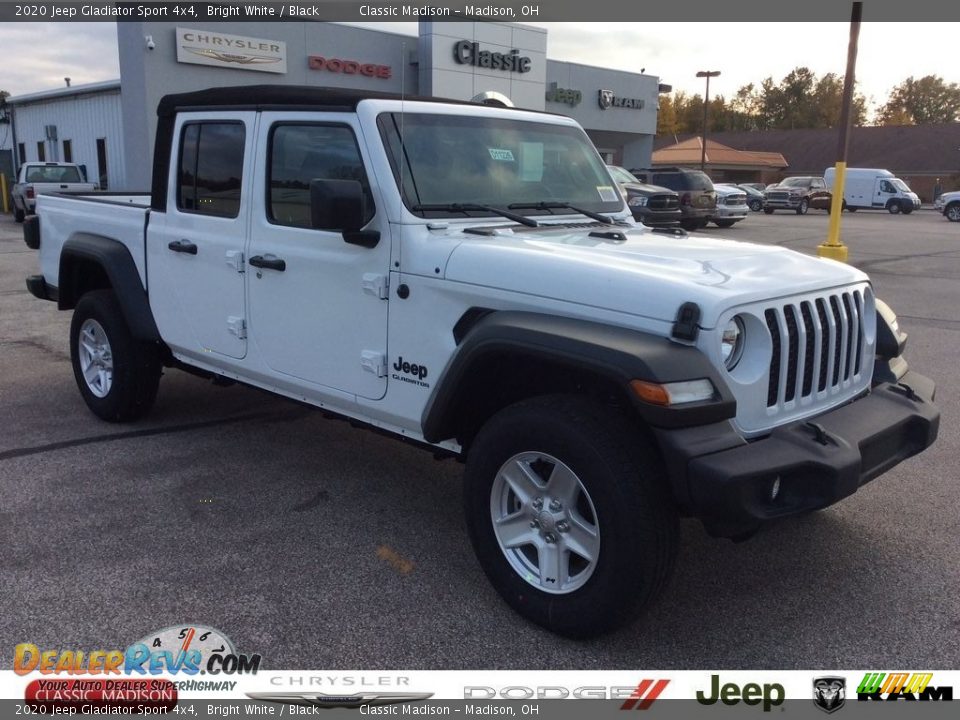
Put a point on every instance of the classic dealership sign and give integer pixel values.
(606, 99)
(203, 47)
(469, 53)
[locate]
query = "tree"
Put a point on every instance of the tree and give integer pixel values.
(920, 102)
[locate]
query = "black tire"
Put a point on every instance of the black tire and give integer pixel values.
(136, 365)
(893, 207)
(906, 210)
(724, 223)
(803, 206)
(952, 212)
(768, 211)
(756, 205)
(621, 474)
(690, 224)
(18, 214)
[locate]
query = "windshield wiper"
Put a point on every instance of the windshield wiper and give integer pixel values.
(467, 207)
(562, 206)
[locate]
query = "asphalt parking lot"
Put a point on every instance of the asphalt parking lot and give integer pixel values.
(322, 546)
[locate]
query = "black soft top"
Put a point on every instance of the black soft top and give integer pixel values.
(262, 97)
(257, 97)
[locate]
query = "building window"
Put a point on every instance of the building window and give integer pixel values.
(68, 151)
(102, 163)
(21, 153)
(301, 153)
(211, 168)
(41, 151)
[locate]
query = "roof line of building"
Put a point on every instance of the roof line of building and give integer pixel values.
(64, 91)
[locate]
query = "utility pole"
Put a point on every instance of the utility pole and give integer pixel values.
(706, 104)
(834, 248)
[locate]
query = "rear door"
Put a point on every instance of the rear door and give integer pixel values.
(195, 248)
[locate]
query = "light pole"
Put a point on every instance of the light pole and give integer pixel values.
(706, 103)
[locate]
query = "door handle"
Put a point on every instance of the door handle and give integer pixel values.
(271, 262)
(183, 246)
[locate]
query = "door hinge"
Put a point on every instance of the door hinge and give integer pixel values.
(376, 285)
(235, 260)
(373, 361)
(237, 326)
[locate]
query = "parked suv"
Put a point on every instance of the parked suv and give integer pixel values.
(651, 205)
(798, 194)
(698, 199)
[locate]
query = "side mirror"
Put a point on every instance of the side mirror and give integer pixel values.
(340, 205)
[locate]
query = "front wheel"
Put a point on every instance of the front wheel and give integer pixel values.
(768, 211)
(756, 205)
(117, 374)
(803, 207)
(569, 515)
(953, 212)
(724, 223)
(894, 208)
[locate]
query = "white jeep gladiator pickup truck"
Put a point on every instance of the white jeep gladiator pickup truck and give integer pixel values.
(469, 278)
(43, 177)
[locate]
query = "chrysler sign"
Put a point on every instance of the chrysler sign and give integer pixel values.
(204, 47)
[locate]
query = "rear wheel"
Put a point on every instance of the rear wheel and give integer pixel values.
(569, 515)
(953, 212)
(724, 223)
(18, 214)
(894, 207)
(117, 374)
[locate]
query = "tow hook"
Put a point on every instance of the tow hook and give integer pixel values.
(906, 391)
(819, 433)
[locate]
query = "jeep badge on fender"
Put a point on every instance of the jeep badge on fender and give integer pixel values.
(600, 380)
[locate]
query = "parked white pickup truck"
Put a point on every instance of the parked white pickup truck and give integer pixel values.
(37, 178)
(470, 279)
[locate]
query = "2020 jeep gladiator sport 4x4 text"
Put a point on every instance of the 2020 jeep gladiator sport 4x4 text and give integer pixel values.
(470, 278)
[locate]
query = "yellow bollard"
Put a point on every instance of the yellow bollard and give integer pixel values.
(3, 193)
(833, 248)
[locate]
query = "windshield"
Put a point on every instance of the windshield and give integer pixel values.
(621, 175)
(795, 182)
(53, 174)
(900, 185)
(497, 161)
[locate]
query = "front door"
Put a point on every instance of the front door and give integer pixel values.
(194, 249)
(318, 305)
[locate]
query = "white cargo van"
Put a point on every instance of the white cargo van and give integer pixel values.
(872, 188)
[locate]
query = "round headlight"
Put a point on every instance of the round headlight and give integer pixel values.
(731, 343)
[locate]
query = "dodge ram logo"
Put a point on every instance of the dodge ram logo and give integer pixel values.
(605, 99)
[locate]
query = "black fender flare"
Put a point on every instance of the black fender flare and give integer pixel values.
(113, 257)
(615, 353)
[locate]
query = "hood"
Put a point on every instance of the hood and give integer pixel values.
(645, 189)
(650, 274)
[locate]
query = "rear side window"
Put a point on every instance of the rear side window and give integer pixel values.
(300, 153)
(674, 181)
(210, 171)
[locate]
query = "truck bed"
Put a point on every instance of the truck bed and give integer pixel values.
(118, 216)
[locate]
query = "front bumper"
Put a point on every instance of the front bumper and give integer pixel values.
(657, 218)
(783, 204)
(728, 483)
(731, 211)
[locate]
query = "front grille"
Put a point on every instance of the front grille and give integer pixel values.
(663, 202)
(778, 196)
(817, 346)
(736, 200)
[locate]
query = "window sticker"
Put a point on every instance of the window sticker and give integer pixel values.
(502, 155)
(607, 193)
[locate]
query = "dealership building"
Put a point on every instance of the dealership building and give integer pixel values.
(109, 127)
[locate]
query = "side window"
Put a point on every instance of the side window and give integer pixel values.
(300, 153)
(886, 187)
(210, 171)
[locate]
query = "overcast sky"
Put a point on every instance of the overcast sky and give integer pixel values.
(44, 53)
